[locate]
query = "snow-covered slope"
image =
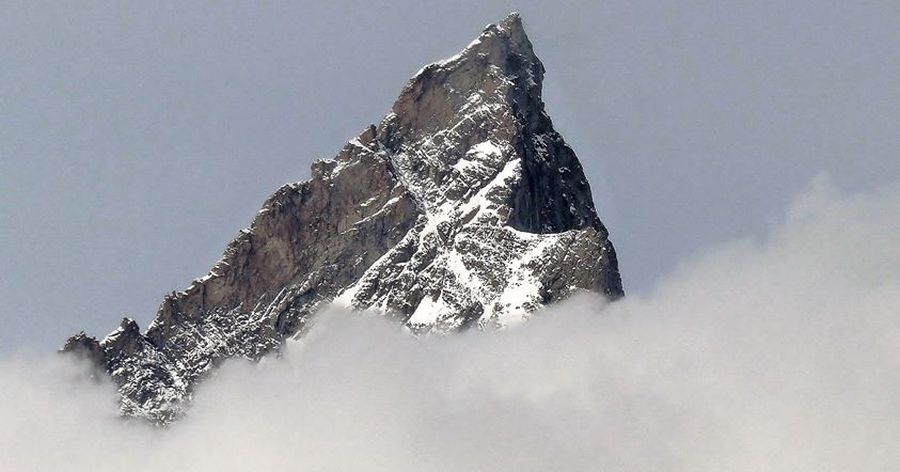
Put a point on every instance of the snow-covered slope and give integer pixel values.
(462, 208)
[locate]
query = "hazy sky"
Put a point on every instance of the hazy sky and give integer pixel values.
(136, 140)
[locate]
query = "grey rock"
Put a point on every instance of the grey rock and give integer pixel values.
(462, 208)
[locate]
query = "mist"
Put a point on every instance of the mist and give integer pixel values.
(778, 353)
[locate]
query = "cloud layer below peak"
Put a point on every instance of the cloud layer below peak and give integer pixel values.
(775, 354)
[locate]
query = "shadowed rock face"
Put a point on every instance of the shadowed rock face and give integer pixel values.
(463, 207)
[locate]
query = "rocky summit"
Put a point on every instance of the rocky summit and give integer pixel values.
(461, 208)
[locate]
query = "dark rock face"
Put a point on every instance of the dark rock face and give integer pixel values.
(463, 207)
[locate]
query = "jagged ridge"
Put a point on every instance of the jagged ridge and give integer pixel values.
(463, 207)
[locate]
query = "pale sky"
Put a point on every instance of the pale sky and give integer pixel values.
(136, 140)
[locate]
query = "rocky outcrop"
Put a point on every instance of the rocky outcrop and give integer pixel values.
(462, 208)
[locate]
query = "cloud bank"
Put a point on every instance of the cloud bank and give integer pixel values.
(778, 354)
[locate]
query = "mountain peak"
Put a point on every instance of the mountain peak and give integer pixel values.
(462, 208)
(512, 22)
(504, 45)
(497, 69)
(508, 33)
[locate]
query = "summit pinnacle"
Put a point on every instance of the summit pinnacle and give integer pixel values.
(461, 208)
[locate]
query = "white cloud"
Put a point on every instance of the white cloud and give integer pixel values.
(773, 355)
